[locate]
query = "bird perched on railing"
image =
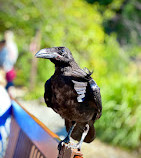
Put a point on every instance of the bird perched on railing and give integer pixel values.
(72, 93)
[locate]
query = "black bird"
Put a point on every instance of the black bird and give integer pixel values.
(72, 93)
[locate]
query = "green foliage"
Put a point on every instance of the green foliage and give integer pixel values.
(23, 69)
(101, 2)
(79, 26)
(36, 93)
(121, 113)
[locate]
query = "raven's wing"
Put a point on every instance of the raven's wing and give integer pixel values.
(96, 96)
(81, 86)
(79, 73)
(47, 94)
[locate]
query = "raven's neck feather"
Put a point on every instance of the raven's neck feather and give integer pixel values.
(72, 70)
(63, 66)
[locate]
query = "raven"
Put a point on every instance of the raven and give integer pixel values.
(72, 93)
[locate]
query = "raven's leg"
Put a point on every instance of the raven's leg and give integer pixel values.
(86, 130)
(78, 146)
(67, 139)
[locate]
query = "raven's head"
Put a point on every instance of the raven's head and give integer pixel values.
(57, 55)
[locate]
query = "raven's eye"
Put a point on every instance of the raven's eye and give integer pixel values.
(62, 52)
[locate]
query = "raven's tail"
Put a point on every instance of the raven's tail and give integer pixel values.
(79, 129)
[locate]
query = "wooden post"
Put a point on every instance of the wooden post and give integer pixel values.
(68, 152)
(34, 47)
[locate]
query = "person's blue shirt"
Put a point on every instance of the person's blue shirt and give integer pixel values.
(3, 56)
(5, 60)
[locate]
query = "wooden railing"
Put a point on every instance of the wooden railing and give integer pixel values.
(30, 138)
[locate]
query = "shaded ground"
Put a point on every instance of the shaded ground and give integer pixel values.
(53, 121)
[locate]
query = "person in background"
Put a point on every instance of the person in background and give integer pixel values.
(5, 104)
(9, 54)
(3, 53)
(5, 100)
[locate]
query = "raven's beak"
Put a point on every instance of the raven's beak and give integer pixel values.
(46, 53)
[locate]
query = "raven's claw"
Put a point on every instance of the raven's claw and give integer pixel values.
(61, 143)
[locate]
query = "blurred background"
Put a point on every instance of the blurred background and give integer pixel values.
(103, 35)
